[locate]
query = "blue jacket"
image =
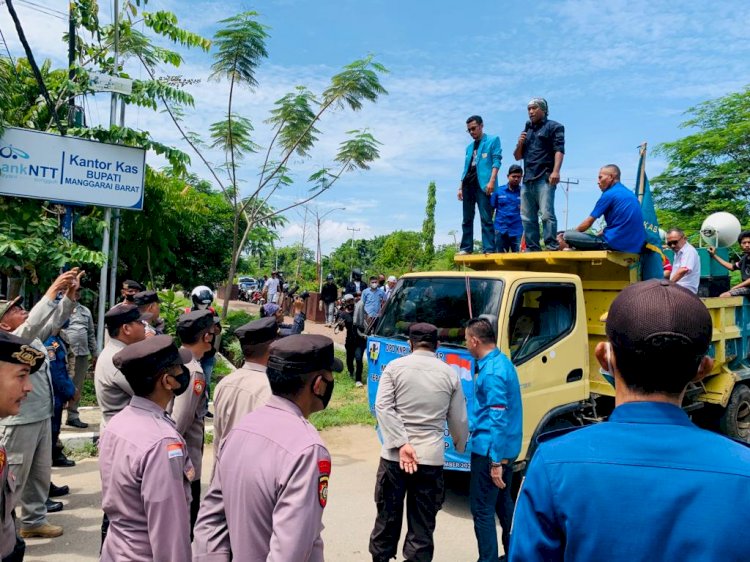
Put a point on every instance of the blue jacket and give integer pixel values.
(489, 155)
(647, 485)
(498, 413)
(62, 387)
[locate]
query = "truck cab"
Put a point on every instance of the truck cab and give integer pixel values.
(548, 308)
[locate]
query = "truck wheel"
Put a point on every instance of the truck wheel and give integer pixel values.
(736, 419)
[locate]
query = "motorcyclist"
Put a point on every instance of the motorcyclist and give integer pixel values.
(203, 298)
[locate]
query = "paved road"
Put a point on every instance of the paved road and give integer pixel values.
(348, 518)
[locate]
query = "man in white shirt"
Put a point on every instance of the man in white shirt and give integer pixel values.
(271, 288)
(686, 267)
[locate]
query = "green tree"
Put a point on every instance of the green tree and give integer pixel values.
(428, 226)
(401, 252)
(709, 169)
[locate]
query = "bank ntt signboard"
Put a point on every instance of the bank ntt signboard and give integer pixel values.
(71, 170)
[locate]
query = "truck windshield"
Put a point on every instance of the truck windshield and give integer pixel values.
(442, 301)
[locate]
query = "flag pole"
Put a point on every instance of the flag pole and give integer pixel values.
(642, 174)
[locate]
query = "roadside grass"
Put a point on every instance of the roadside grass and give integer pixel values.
(348, 404)
(88, 450)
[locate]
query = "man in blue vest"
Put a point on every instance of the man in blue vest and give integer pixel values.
(482, 162)
(647, 485)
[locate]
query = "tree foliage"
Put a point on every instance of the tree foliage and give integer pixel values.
(709, 169)
(428, 226)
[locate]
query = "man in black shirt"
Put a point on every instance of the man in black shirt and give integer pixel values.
(541, 146)
(355, 342)
(329, 294)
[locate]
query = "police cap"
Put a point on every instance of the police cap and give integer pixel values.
(145, 297)
(258, 331)
(193, 323)
(303, 354)
(146, 358)
(423, 332)
(130, 284)
(124, 313)
(19, 351)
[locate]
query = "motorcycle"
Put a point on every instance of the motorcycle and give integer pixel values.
(257, 298)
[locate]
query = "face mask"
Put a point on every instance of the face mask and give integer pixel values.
(373, 285)
(326, 396)
(184, 379)
(608, 373)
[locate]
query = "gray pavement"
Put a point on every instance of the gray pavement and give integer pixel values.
(348, 517)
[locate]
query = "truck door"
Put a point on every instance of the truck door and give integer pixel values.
(546, 340)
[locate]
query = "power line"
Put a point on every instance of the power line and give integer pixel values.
(44, 10)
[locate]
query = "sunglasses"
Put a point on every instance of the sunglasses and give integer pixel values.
(472, 129)
(673, 242)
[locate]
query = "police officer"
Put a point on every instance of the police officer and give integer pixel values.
(26, 436)
(246, 389)
(195, 330)
(274, 511)
(417, 394)
(148, 303)
(647, 485)
(144, 464)
(125, 325)
(18, 360)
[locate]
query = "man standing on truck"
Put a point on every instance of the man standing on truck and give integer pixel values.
(541, 146)
(686, 266)
(647, 485)
(495, 440)
(481, 165)
(416, 395)
(622, 213)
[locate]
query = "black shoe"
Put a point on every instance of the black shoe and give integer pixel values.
(58, 491)
(209, 415)
(53, 506)
(77, 423)
(63, 462)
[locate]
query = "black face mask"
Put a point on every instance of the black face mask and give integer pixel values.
(326, 396)
(184, 379)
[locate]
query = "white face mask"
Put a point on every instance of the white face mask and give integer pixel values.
(373, 285)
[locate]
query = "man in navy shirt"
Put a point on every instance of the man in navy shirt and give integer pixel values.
(542, 148)
(507, 204)
(647, 485)
(622, 213)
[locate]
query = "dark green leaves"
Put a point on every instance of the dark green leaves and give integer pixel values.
(358, 82)
(233, 135)
(293, 117)
(358, 151)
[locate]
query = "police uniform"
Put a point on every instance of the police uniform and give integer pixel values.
(270, 487)
(27, 436)
(417, 394)
(145, 468)
(19, 351)
(647, 485)
(113, 392)
(247, 388)
(189, 409)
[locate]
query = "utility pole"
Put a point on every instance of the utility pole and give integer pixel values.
(568, 182)
(302, 245)
(108, 210)
(353, 230)
(67, 221)
(319, 255)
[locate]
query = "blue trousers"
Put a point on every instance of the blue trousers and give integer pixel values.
(487, 501)
(538, 198)
(504, 242)
(475, 195)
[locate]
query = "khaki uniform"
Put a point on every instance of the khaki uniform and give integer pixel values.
(113, 392)
(236, 395)
(27, 436)
(7, 501)
(81, 338)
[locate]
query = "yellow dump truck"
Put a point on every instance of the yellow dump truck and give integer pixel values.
(547, 308)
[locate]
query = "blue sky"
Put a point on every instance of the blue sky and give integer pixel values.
(615, 73)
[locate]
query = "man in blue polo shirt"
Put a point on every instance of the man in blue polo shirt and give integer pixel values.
(481, 165)
(495, 438)
(506, 201)
(622, 213)
(647, 485)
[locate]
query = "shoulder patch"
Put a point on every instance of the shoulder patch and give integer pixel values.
(553, 434)
(199, 385)
(324, 466)
(175, 450)
(323, 489)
